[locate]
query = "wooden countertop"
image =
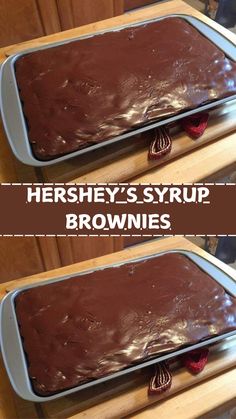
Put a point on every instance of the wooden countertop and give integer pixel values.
(194, 166)
(214, 392)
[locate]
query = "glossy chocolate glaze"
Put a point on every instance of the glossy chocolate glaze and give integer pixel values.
(93, 325)
(91, 90)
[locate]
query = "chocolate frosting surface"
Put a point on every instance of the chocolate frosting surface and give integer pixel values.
(96, 324)
(88, 91)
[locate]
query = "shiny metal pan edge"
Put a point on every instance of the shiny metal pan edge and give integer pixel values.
(11, 344)
(12, 112)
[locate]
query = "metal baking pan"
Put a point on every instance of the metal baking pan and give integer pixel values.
(15, 358)
(12, 112)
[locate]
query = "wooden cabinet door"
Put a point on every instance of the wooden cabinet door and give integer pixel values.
(77, 249)
(24, 256)
(133, 4)
(21, 20)
(19, 256)
(74, 13)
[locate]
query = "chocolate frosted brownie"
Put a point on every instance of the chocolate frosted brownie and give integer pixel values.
(96, 324)
(88, 91)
